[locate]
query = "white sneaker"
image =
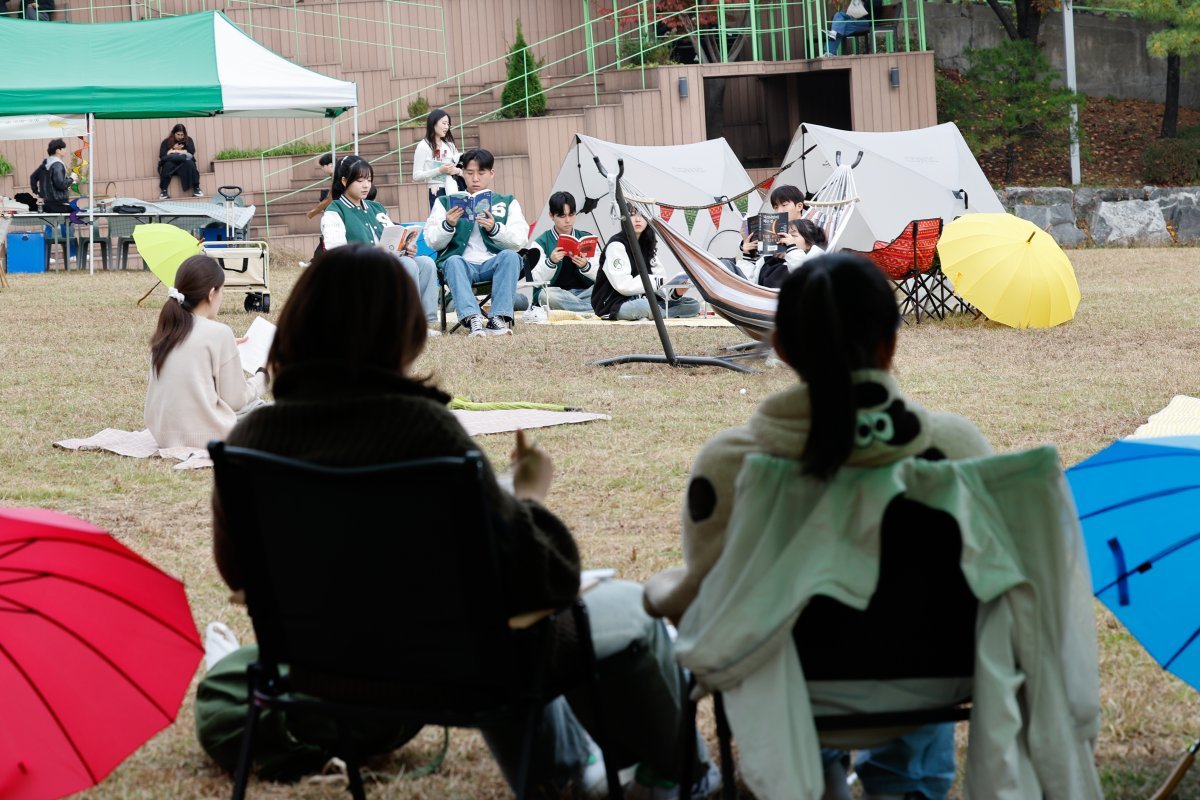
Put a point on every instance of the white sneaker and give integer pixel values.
(477, 325)
(535, 315)
(433, 332)
(593, 781)
(219, 641)
(303, 264)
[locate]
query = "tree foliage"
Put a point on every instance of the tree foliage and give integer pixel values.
(523, 94)
(1008, 97)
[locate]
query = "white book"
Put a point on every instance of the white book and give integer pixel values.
(395, 238)
(254, 350)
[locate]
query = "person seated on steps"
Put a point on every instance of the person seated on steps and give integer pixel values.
(570, 278)
(479, 248)
(177, 157)
(346, 394)
(770, 270)
(836, 326)
(619, 293)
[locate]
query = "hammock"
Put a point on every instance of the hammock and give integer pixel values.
(747, 305)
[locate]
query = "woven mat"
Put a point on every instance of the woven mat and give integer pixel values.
(1181, 417)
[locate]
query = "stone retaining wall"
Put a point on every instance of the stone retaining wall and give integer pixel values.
(1146, 216)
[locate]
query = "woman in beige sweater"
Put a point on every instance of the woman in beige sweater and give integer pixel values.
(197, 388)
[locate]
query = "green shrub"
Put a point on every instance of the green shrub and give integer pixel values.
(523, 95)
(292, 149)
(1173, 162)
(6, 167)
(635, 49)
(418, 108)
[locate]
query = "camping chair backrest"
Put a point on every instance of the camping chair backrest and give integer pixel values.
(911, 252)
(358, 572)
(920, 622)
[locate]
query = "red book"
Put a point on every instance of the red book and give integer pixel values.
(585, 247)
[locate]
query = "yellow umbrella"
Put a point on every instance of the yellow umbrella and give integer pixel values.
(164, 248)
(1010, 269)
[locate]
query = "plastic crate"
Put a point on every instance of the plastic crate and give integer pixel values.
(26, 251)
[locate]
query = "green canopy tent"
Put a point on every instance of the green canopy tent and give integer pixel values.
(115, 70)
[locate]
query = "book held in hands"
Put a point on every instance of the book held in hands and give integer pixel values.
(767, 227)
(586, 247)
(396, 238)
(253, 352)
(472, 205)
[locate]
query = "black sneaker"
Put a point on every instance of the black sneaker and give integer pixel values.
(197, 193)
(164, 196)
(477, 325)
(499, 326)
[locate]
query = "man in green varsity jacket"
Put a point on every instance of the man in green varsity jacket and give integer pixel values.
(482, 247)
(569, 278)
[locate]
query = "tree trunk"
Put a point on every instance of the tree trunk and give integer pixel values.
(1170, 120)
(1010, 162)
(1029, 20)
(1007, 23)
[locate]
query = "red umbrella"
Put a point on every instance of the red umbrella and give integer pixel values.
(97, 649)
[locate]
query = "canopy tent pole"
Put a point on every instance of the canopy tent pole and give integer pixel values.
(91, 175)
(1069, 56)
(356, 130)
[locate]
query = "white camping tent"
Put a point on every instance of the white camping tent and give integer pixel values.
(904, 175)
(683, 175)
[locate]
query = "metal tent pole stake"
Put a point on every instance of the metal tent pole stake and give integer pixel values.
(643, 269)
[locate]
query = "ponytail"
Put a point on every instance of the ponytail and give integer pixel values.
(196, 277)
(833, 317)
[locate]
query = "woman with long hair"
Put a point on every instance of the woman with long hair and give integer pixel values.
(347, 394)
(197, 387)
(177, 157)
(435, 158)
(619, 293)
(353, 218)
(836, 326)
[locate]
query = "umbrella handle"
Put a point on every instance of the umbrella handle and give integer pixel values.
(1176, 777)
(147, 294)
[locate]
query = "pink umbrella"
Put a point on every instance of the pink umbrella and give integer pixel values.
(97, 649)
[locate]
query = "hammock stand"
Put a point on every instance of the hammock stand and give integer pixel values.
(669, 357)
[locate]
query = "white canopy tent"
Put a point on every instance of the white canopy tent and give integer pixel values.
(41, 126)
(681, 175)
(903, 175)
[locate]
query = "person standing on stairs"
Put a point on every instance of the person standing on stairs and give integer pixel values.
(435, 160)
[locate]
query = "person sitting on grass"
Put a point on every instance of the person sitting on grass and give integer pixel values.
(353, 217)
(346, 395)
(836, 326)
(197, 388)
(479, 248)
(770, 270)
(619, 293)
(570, 278)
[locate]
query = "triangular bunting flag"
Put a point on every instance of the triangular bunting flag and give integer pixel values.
(689, 216)
(79, 153)
(715, 213)
(766, 185)
(665, 212)
(742, 204)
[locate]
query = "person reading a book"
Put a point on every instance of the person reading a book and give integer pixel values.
(804, 240)
(619, 293)
(836, 327)
(763, 249)
(568, 259)
(477, 234)
(354, 218)
(346, 395)
(197, 389)
(435, 158)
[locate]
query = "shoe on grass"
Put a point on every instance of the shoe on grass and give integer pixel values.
(499, 326)
(648, 785)
(477, 325)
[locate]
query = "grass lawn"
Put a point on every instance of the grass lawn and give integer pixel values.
(73, 360)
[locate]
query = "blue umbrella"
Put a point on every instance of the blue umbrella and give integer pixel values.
(1139, 505)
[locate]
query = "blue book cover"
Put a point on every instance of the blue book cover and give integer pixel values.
(471, 206)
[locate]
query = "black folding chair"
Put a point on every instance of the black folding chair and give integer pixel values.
(379, 609)
(920, 579)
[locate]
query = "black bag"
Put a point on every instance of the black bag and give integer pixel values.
(35, 180)
(127, 209)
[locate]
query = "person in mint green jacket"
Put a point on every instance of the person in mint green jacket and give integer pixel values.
(570, 278)
(478, 247)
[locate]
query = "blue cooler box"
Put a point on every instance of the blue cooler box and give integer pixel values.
(26, 251)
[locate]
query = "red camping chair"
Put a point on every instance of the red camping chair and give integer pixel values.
(908, 262)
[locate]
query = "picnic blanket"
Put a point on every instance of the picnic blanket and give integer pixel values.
(1180, 417)
(140, 444)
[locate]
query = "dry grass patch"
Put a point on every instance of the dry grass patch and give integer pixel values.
(73, 360)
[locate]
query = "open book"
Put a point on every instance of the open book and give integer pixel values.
(586, 247)
(768, 226)
(472, 206)
(253, 352)
(396, 238)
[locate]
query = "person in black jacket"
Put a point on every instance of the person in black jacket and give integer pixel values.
(50, 181)
(177, 156)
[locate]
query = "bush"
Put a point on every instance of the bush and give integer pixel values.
(635, 49)
(418, 108)
(6, 167)
(292, 149)
(1173, 162)
(523, 95)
